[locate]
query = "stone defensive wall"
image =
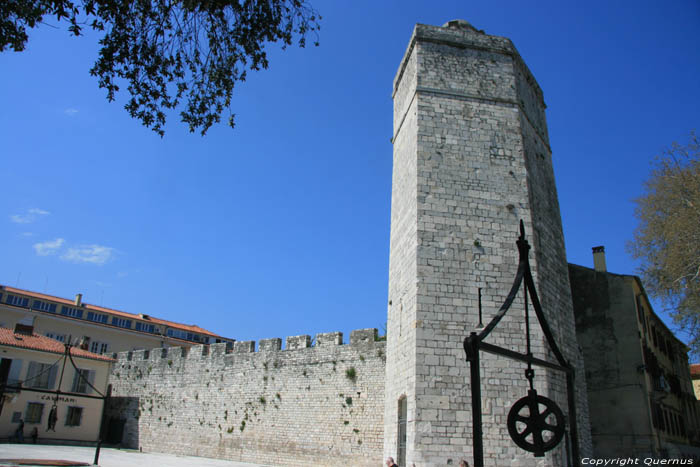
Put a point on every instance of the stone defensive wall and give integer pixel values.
(317, 402)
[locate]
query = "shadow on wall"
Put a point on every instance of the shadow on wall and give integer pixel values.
(122, 422)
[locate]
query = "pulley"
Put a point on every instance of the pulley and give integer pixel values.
(533, 428)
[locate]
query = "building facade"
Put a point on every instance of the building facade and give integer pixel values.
(640, 390)
(31, 370)
(104, 329)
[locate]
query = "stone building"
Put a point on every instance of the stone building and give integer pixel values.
(640, 392)
(471, 160)
(106, 330)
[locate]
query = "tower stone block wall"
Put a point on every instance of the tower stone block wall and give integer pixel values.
(304, 405)
(471, 158)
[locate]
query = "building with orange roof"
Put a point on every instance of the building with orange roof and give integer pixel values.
(105, 330)
(47, 395)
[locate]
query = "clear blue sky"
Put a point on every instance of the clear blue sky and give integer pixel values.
(281, 226)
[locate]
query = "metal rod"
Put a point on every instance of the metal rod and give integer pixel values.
(494, 349)
(530, 284)
(102, 420)
(59, 393)
(481, 323)
(527, 322)
(473, 358)
(506, 305)
(63, 369)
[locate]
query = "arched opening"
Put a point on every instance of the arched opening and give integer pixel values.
(401, 438)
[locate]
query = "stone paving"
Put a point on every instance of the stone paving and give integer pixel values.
(109, 457)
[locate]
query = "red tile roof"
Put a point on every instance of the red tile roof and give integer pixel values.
(695, 371)
(146, 318)
(44, 344)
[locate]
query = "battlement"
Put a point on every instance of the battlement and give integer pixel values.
(358, 337)
(299, 405)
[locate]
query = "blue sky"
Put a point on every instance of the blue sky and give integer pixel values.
(281, 226)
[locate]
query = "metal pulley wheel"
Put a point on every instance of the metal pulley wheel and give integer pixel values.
(533, 429)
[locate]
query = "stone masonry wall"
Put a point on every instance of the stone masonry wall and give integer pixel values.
(401, 317)
(304, 405)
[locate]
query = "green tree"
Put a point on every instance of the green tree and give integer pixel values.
(184, 54)
(667, 239)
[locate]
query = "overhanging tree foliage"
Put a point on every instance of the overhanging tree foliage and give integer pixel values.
(667, 239)
(171, 53)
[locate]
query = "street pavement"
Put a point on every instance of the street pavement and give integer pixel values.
(110, 457)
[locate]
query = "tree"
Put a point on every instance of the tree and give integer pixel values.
(667, 239)
(170, 52)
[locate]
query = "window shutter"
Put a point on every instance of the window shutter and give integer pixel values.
(76, 381)
(52, 376)
(91, 380)
(31, 373)
(15, 368)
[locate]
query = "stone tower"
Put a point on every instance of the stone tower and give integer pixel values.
(471, 158)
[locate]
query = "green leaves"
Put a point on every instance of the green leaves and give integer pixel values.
(186, 54)
(667, 239)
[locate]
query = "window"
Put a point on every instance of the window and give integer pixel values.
(13, 374)
(640, 311)
(58, 337)
(34, 412)
(41, 375)
(5, 365)
(121, 322)
(145, 327)
(177, 334)
(96, 317)
(74, 415)
(99, 347)
(72, 312)
(16, 300)
(16, 417)
(642, 314)
(188, 336)
(401, 438)
(81, 380)
(44, 306)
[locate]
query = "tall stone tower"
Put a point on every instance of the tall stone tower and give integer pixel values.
(471, 158)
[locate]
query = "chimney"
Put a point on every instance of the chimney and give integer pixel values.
(78, 299)
(599, 259)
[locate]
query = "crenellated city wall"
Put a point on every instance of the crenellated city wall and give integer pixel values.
(316, 402)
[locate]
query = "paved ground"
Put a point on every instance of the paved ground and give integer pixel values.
(110, 457)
